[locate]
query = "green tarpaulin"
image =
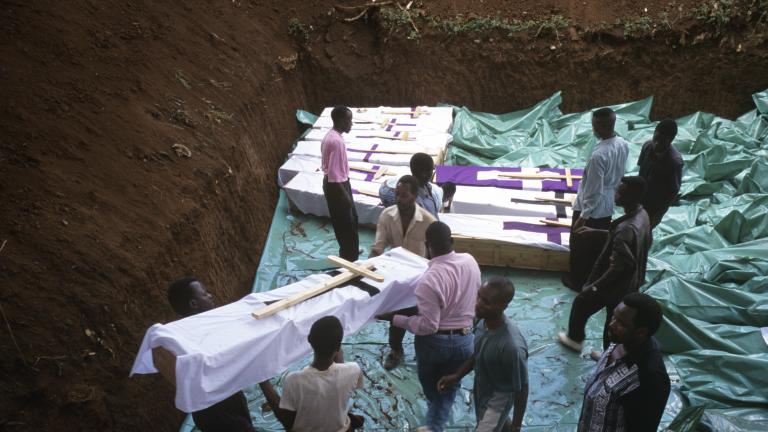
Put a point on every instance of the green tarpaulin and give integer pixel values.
(708, 268)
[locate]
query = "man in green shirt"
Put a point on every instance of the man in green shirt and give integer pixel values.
(499, 361)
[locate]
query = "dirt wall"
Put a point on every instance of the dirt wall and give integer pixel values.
(139, 143)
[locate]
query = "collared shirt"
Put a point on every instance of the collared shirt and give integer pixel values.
(501, 362)
(601, 177)
(629, 394)
(334, 157)
(663, 174)
(389, 231)
(622, 262)
(428, 197)
(445, 295)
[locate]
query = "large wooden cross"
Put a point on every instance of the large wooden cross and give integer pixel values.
(543, 176)
(353, 271)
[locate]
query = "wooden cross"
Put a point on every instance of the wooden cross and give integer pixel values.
(377, 173)
(555, 223)
(353, 271)
(555, 200)
(414, 113)
(543, 176)
(405, 150)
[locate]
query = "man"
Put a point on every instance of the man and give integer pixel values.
(336, 188)
(429, 197)
(189, 297)
(594, 200)
(316, 398)
(445, 297)
(500, 361)
(620, 268)
(404, 224)
(630, 387)
(662, 168)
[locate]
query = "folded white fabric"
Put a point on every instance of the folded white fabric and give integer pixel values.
(224, 350)
(305, 190)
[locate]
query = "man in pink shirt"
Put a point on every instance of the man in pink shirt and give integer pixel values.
(336, 188)
(445, 297)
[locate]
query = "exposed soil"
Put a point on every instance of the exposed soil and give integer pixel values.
(139, 142)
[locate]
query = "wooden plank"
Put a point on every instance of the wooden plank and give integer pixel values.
(304, 295)
(368, 193)
(554, 200)
(568, 178)
(555, 223)
(354, 268)
(504, 254)
(537, 176)
(165, 363)
(405, 150)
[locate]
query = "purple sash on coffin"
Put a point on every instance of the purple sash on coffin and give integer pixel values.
(467, 176)
(368, 154)
(554, 233)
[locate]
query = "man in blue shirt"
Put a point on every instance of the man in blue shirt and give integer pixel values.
(594, 201)
(499, 361)
(429, 196)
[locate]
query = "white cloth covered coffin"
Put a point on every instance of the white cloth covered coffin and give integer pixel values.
(305, 190)
(421, 138)
(482, 200)
(357, 170)
(366, 152)
(521, 230)
(224, 350)
(433, 118)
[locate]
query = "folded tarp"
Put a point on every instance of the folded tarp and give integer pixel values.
(226, 349)
(504, 177)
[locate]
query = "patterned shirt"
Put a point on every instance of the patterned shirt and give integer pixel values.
(627, 395)
(601, 177)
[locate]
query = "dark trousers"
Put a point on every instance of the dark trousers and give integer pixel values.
(588, 303)
(396, 334)
(343, 214)
(584, 252)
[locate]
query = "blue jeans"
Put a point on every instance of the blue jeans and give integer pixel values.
(438, 355)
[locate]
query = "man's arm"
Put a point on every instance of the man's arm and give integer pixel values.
(380, 242)
(428, 318)
(518, 412)
(622, 260)
(592, 188)
(452, 379)
(284, 416)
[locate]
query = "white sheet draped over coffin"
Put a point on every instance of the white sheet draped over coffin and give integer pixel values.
(356, 152)
(305, 191)
(491, 227)
(422, 138)
(482, 200)
(311, 164)
(224, 350)
(438, 119)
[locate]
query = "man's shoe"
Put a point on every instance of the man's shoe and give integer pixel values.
(393, 359)
(563, 338)
(595, 355)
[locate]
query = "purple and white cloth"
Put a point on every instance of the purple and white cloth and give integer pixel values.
(520, 230)
(490, 176)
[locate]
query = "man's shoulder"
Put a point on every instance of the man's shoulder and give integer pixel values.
(425, 214)
(388, 213)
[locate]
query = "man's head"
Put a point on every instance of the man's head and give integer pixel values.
(603, 121)
(325, 336)
(630, 192)
(635, 319)
(422, 167)
(439, 241)
(189, 297)
(342, 119)
(405, 193)
(493, 297)
(665, 132)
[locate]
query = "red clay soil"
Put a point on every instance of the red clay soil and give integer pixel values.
(139, 143)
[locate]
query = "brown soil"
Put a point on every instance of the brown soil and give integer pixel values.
(102, 102)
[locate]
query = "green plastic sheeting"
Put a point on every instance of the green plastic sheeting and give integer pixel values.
(708, 267)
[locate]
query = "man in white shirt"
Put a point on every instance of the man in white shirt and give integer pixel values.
(593, 207)
(316, 398)
(404, 224)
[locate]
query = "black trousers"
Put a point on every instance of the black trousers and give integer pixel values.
(588, 303)
(396, 334)
(341, 207)
(584, 252)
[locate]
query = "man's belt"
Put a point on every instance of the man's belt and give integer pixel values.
(461, 331)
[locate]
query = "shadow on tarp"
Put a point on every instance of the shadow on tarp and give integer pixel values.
(710, 254)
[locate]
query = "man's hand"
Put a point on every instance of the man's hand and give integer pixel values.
(583, 230)
(385, 316)
(447, 382)
(580, 222)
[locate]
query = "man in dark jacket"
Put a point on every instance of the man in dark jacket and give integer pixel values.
(620, 268)
(661, 166)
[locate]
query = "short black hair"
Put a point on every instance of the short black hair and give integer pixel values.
(635, 188)
(449, 190)
(412, 183)
(438, 236)
(603, 113)
(668, 128)
(648, 312)
(505, 290)
(325, 335)
(180, 293)
(338, 113)
(421, 162)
